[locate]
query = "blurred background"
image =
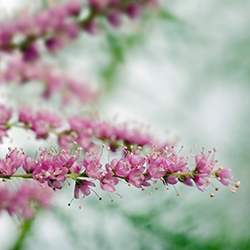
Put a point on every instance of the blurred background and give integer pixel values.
(182, 70)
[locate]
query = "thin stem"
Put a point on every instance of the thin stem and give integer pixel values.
(24, 176)
(76, 177)
(30, 176)
(26, 228)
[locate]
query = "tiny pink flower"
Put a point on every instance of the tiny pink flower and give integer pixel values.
(157, 166)
(83, 187)
(188, 181)
(13, 160)
(136, 177)
(171, 180)
(92, 164)
(108, 182)
(224, 175)
(176, 163)
(203, 163)
(201, 182)
(29, 164)
(122, 168)
(135, 160)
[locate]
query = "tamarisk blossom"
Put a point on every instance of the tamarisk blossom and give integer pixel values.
(59, 25)
(23, 201)
(137, 165)
(41, 122)
(136, 168)
(54, 81)
(224, 175)
(81, 130)
(14, 159)
(84, 130)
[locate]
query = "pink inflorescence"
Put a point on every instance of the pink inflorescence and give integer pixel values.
(136, 168)
(23, 201)
(54, 81)
(60, 24)
(81, 130)
(41, 122)
(139, 161)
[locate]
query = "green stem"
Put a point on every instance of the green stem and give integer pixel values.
(29, 176)
(82, 176)
(26, 228)
(24, 176)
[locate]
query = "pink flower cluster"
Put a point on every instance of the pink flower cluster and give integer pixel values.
(114, 9)
(160, 162)
(13, 160)
(54, 25)
(22, 202)
(136, 168)
(83, 131)
(61, 24)
(41, 122)
(54, 81)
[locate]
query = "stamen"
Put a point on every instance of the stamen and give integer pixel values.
(211, 195)
(98, 196)
(69, 204)
(177, 193)
(237, 184)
